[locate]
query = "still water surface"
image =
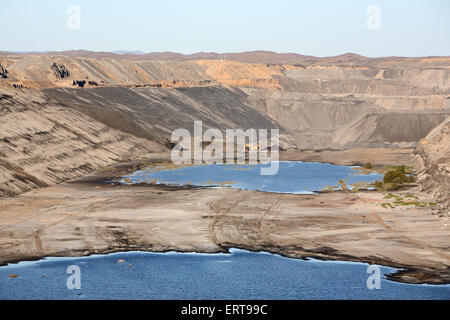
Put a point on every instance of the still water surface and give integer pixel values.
(239, 275)
(292, 176)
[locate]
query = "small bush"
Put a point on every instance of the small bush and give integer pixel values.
(368, 165)
(394, 186)
(396, 176)
(343, 184)
(378, 184)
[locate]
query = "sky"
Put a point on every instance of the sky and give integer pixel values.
(316, 27)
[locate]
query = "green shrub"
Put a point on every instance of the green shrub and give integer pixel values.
(368, 165)
(387, 205)
(343, 184)
(396, 176)
(378, 184)
(394, 186)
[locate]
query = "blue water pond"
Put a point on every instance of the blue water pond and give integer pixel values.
(292, 176)
(239, 275)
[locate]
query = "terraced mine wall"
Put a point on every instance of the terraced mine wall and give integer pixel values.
(53, 135)
(52, 129)
(42, 143)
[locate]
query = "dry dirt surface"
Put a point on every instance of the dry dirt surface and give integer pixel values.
(352, 157)
(93, 216)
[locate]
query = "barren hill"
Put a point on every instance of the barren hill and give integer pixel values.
(65, 114)
(257, 56)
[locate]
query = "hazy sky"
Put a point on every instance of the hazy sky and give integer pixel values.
(315, 27)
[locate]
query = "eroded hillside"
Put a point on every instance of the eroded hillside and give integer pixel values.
(432, 162)
(43, 143)
(64, 116)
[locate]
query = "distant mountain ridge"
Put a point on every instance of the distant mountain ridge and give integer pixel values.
(258, 56)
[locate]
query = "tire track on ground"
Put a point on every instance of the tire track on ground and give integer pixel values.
(80, 212)
(265, 235)
(220, 212)
(419, 243)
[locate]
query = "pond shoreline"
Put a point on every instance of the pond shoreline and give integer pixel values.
(92, 216)
(237, 274)
(402, 274)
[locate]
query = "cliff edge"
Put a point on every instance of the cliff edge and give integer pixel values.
(432, 164)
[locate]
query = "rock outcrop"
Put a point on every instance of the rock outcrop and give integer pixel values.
(79, 83)
(432, 163)
(60, 71)
(3, 72)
